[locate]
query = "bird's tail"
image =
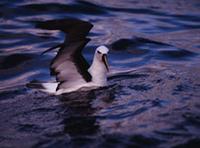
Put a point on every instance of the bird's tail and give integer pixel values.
(45, 87)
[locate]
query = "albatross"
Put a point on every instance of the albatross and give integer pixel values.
(69, 66)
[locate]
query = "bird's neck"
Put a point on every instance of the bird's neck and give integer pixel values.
(98, 73)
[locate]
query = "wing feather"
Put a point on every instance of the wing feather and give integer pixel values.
(69, 66)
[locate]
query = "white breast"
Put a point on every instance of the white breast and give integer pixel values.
(98, 73)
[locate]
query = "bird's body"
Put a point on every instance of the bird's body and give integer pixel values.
(98, 71)
(70, 68)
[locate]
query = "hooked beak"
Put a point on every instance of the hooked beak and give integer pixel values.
(105, 61)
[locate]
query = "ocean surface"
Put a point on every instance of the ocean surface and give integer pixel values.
(153, 102)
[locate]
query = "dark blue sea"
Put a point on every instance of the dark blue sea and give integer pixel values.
(153, 102)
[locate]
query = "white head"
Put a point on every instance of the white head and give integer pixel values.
(99, 67)
(101, 55)
(102, 49)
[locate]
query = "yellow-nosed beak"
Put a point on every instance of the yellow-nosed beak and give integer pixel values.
(105, 61)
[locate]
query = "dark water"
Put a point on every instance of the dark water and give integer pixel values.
(155, 104)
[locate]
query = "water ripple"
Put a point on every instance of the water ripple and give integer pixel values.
(154, 96)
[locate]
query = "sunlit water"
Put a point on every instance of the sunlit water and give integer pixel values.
(155, 104)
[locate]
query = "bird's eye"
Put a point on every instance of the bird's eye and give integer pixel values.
(98, 52)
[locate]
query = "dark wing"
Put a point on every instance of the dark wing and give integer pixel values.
(75, 29)
(69, 65)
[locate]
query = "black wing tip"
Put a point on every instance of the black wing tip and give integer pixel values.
(35, 84)
(63, 24)
(75, 29)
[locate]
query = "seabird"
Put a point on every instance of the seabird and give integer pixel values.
(70, 68)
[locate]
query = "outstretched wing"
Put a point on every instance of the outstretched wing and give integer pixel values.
(69, 66)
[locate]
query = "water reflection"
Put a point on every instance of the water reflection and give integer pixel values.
(80, 108)
(78, 115)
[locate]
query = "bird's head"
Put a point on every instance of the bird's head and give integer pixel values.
(101, 55)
